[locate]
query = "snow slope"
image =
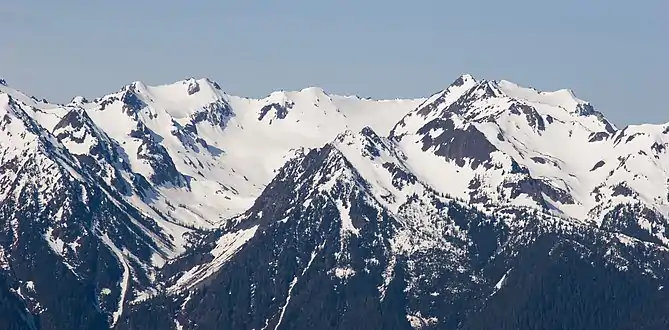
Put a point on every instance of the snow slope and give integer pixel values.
(206, 155)
(168, 161)
(497, 142)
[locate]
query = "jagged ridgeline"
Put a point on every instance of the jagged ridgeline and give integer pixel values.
(484, 206)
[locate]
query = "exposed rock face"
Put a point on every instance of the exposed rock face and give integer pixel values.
(280, 110)
(456, 144)
(193, 86)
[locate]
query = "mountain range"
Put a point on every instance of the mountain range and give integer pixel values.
(486, 205)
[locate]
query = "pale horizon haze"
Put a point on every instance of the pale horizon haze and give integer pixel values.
(611, 53)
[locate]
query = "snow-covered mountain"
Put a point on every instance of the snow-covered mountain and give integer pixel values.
(164, 206)
(346, 237)
(192, 154)
(498, 143)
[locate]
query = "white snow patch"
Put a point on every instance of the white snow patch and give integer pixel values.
(344, 272)
(500, 283)
(346, 222)
(226, 247)
(125, 280)
(56, 244)
(417, 321)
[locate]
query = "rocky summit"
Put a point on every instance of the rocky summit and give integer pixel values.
(486, 205)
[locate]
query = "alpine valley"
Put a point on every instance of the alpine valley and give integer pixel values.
(486, 205)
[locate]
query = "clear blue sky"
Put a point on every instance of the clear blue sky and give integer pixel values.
(613, 53)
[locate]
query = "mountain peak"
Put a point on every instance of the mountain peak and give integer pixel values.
(463, 79)
(283, 97)
(78, 101)
(135, 86)
(313, 90)
(3, 82)
(280, 97)
(193, 85)
(316, 94)
(562, 98)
